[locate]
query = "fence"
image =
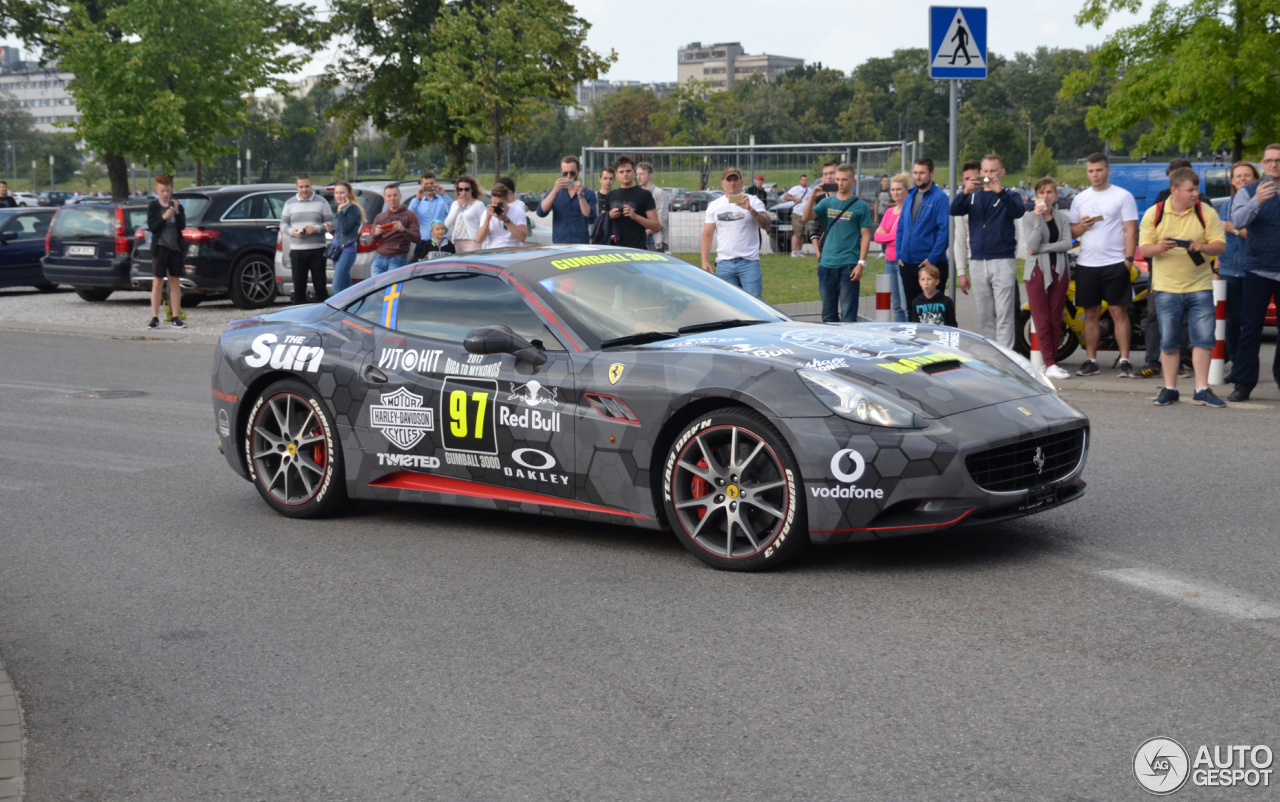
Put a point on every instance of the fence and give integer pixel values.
(696, 171)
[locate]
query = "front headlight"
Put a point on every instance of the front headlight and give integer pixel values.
(857, 403)
(1021, 361)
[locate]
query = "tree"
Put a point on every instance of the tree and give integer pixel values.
(624, 118)
(1042, 162)
(496, 64)
(857, 123)
(144, 84)
(1194, 69)
(396, 169)
(91, 173)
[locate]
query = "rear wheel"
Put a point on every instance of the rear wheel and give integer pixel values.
(253, 282)
(295, 459)
(731, 492)
(1066, 347)
(93, 294)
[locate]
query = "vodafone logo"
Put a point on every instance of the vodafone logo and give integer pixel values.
(851, 458)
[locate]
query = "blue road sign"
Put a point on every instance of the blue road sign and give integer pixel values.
(957, 42)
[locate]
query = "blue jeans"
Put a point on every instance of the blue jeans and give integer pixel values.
(382, 264)
(897, 294)
(342, 270)
(744, 273)
(1196, 308)
(835, 286)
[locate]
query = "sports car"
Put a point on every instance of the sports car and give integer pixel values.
(629, 387)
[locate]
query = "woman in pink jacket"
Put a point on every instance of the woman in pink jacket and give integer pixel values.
(885, 233)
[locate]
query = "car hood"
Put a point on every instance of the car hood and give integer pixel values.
(933, 370)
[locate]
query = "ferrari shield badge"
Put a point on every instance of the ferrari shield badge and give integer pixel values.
(615, 372)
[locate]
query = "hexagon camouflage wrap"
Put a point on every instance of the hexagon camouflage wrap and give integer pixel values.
(749, 441)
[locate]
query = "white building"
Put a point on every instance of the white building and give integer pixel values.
(42, 91)
(724, 63)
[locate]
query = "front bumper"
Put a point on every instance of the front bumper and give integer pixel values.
(864, 483)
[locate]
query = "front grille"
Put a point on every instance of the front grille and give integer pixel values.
(1011, 468)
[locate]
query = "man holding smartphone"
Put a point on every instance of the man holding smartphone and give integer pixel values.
(574, 205)
(798, 194)
(735, 221)
(1255, 207)
(1176, 240)
(847, 220)
(1104, 218)
(395, 232)
(304, 220)
(993, 240)
(631, 208)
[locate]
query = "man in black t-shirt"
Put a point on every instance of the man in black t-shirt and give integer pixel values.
(632, 212)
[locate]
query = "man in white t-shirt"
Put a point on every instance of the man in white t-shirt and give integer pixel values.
(1105, 220)
(799, 193)
(735, 220)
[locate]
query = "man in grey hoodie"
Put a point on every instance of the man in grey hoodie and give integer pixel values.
(304, 220)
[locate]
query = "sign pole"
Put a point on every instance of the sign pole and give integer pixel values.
(953, 176)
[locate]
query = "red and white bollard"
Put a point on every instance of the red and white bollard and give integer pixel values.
(1037, 358)
(884, 309)
(1217, 363)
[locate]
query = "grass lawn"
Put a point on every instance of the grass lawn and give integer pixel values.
(789, 280)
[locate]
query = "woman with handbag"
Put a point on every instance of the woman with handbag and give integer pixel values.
(1048, 234)
(885, 234)
(465, 215)
(346, 234)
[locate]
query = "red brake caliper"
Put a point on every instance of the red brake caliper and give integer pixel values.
(318, 454)
(700, 487)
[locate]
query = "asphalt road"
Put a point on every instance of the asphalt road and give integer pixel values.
(173, 639)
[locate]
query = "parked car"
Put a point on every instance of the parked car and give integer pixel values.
(1065, 195)
(29, 199)
(231, 233)
(22, 233)
(55, 197)
(369, 196)
(88, 246)
(691, 202)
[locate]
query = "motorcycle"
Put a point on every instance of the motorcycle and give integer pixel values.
(1073, 319)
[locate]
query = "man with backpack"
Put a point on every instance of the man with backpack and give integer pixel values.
(847, 235)
(1176, 236)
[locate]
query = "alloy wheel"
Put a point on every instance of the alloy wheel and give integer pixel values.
(729, 492)
(257, 281)
(290, 454)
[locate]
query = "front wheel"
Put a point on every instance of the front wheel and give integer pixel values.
(294, 456)
(731, 490)
(253, 282)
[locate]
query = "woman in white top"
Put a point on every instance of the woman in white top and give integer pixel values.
(465, 215)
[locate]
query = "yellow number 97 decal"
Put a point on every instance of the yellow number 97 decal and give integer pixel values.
(470, 415)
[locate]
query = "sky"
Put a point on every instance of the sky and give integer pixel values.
(840, 35)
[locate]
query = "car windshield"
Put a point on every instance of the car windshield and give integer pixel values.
(621, 299)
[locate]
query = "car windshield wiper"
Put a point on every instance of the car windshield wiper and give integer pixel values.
(720, 324)
(639, 339)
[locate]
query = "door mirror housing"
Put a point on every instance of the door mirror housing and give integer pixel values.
(502, 340)
(8, 236)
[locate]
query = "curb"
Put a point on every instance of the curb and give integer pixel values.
(11, 777)
(117, 334)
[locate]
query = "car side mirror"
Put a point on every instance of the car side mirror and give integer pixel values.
(8, 236)
(502, 340)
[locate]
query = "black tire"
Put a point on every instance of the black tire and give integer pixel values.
(1066, 347)
(253, 282)
(93, 294)
(739, 513)
(192, 300)
(292, 449)
(46, 287)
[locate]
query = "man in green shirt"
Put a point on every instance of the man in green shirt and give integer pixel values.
(844, 247)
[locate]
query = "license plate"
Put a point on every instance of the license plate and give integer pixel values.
(81, 250)
(1043, 496)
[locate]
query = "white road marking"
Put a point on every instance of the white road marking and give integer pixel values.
(1223, 601)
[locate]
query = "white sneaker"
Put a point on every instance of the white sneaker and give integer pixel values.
(1055, 372)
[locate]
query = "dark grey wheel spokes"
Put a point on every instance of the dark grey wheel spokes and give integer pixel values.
(730, 492)
(290, 454)
(257, 281)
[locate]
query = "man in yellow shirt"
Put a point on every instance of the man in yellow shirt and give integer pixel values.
(1177, 237)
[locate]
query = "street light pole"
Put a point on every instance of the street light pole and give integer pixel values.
(248, 166)
(34, 186)
(51, 184)
(355, 162)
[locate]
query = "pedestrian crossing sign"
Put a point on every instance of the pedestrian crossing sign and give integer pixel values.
(957, 42)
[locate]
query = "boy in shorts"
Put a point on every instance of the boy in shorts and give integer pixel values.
(166, 219)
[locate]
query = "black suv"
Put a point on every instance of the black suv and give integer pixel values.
(88, 246)
(231, 243)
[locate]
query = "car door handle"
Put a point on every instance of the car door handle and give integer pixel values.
(374, 375)
(272, 228)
